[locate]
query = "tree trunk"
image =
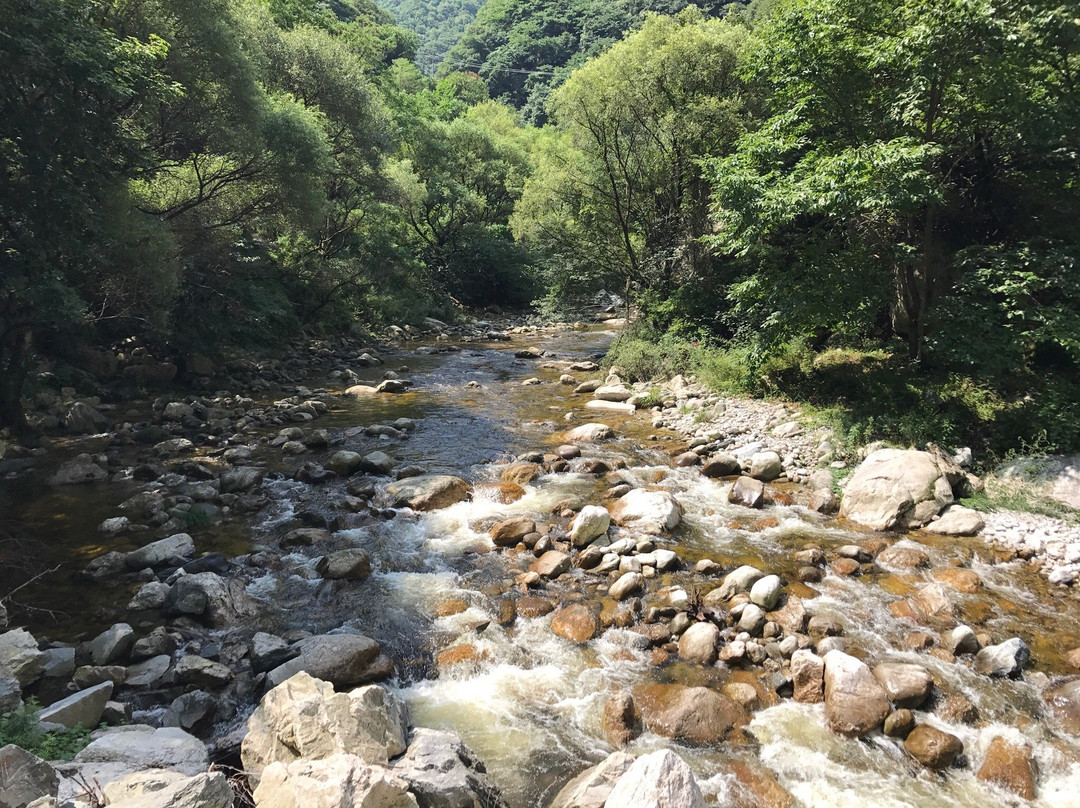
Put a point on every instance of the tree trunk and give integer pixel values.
(14, 366)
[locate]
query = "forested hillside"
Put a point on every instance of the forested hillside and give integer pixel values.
(872, 206)
(438, 24)
(200, 175)
(523, 48)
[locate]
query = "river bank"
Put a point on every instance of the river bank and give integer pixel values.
(347, 542)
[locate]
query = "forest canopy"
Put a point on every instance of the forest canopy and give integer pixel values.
(844, 201)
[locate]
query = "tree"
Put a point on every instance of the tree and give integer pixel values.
(901, 140)
(618, 190)
(459, 181)
(70, 94)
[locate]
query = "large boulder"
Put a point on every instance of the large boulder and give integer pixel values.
(900, 489)
(907, 685)
(591, 522)
(765, 466)
(442, 772)
(341, 659)
(808, 676)
(157, 553)
(78, 470)
(700, 643)
(589, 433)
(340, 781)
(694, 715)
(351, 564)
(1005, 659)
(575, 622)
(427, 492)
(218, 601)
(855, 702)
(111, 645)
(741, 579)
(509, 532)
(932, 747)
(592, 787)
(82, 419)
(303, 718)
(660, 779)
(20, 657)
(748, 492)
(165, 789)
(1011, 767)
(121, 751)
(83, 708)
(24, 778)
(647, 511)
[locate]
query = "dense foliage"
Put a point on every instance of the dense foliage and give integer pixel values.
(524, 49)
(206, 174)
(438, 24)
(870, 205)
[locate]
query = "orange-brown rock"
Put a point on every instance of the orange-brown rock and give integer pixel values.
(521, 473)
(932, 747)
(694, 715)
(959, 579)
(450, 606)
(576, 623)
(845, 566)
(774, 496)
(503, 493)
(507, 611)
(509, 532)
(619, 719)
(757, 787)
(533, 607)
(1011, 767)
(901, 609)
(459, 654)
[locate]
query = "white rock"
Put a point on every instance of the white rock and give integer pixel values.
(20, 657)
(304, 718)
(589, 433)
(340, 781)
(170, 790)
(660, 779)
(591, 522)
(647, 511)
(592, 787)
(766, 592)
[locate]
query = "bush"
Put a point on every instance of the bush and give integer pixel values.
(20, 727)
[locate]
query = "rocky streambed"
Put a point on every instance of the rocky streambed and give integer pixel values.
(545, 570)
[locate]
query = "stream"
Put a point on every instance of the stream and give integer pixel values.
(527, 701)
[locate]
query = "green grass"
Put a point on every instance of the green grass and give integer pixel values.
(868, 395)
(20, 727)
(1021, 500)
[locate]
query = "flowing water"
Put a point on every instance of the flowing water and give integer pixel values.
(529, 702)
